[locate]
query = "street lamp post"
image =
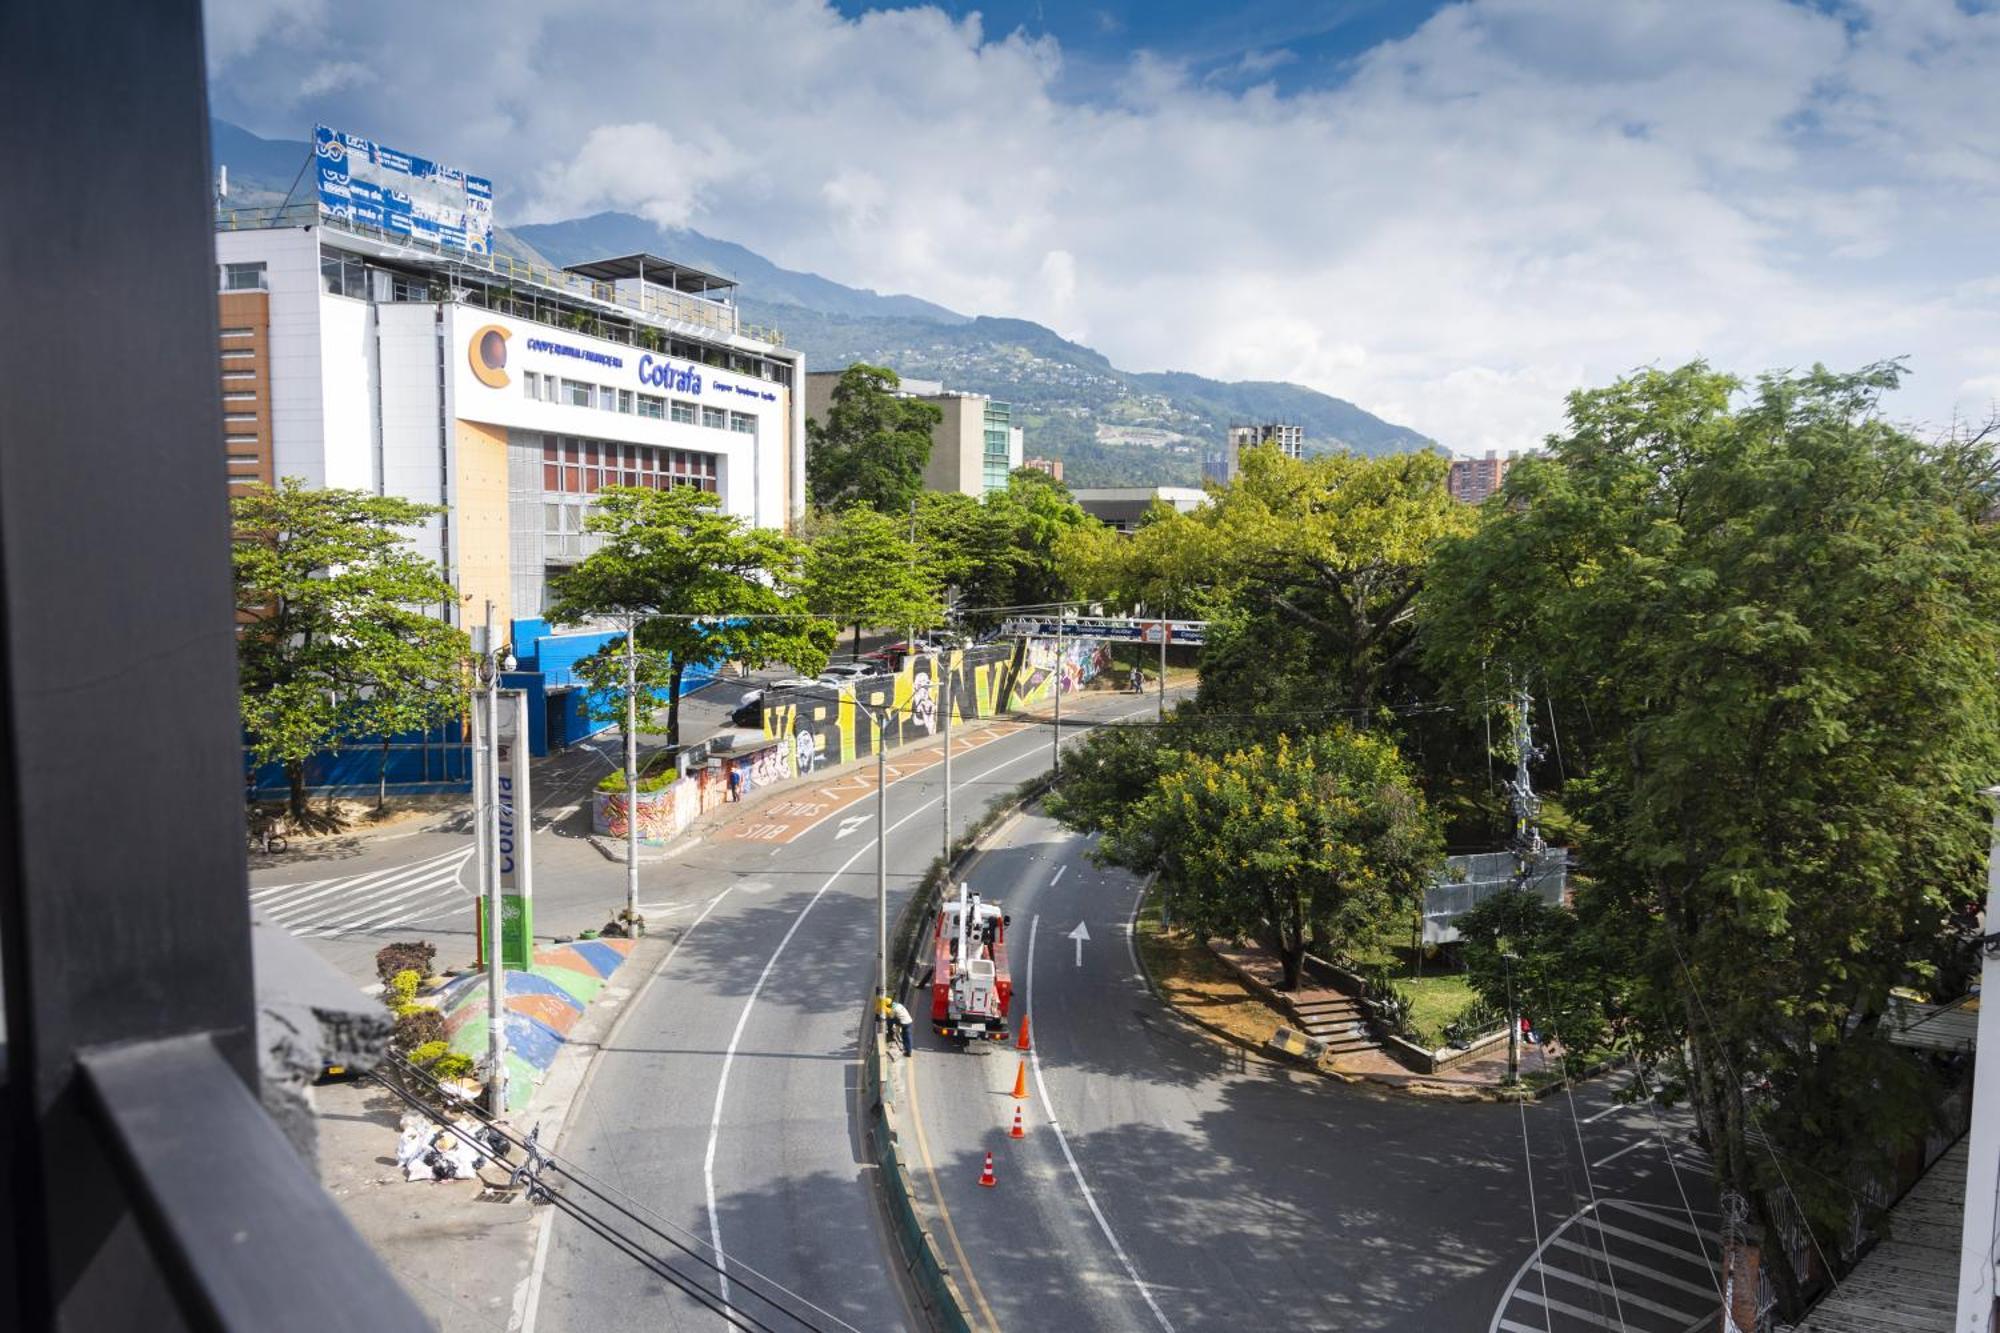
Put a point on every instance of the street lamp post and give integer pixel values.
(631, 776)
(1055, 738)
(486, 821)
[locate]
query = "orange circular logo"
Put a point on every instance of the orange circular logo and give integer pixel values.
(487, 353)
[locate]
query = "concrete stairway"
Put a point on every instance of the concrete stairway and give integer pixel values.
(1333, 1018)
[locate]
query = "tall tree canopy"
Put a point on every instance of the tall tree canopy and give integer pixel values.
(1781, 620)
(703, 586)
(337, 641)
(863, 570)
(873, 446)
(1305, 842)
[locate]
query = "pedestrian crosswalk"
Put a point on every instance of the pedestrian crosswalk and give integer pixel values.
(1636, 1268)
(426, 890)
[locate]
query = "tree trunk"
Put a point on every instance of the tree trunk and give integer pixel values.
(857, 638)
(1293, 956)
(674, 703)
(295, 778)
(382, 779)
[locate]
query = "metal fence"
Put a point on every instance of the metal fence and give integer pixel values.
(1471, 880)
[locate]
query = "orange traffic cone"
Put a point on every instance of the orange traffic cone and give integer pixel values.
(1017, 1132)
(1021, 1083)
(1021, 1042)
(986, 1176)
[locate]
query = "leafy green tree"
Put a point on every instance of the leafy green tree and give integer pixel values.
(1309, 842)
(1538, 960)
(704, 586)
(421, 686)
(335, 638)
(1779, 618)
(861, 569)
(873, 446)
(969, 548)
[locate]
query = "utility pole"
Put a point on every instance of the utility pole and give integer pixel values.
(947, 757)
(1513, 1019)
(631, 775)
(489, 838)
(1055, 684)
(1164, 632)
(910, 637)
(1528, 846)
(881, 862)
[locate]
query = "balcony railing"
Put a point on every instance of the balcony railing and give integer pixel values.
(652, 303)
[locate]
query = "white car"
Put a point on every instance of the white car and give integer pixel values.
(844, 673)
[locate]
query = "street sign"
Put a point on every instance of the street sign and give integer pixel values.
(1158, 632)
(517, 917)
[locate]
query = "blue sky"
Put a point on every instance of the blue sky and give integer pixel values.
(1452, 214)
(1293, 46)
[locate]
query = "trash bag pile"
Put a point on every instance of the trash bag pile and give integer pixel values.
(428, 1151)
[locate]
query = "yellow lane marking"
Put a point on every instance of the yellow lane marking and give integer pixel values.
(937, 1194)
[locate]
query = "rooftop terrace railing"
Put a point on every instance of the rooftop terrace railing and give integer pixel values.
(657, 304)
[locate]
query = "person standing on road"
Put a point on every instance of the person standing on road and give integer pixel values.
(899, 1020)
(735, 783)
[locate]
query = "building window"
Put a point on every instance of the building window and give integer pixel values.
(576, 393)
(625, 401)
(237, 354)
(250, 417)
(714, 417)
(743, 423)
(343, 275)
(685, 413)
(650, 406)
(607, 398)
(242, 277)
(239, 397)
(237, 333)
(239, 374)
(531, 384)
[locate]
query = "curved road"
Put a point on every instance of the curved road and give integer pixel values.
(724, 1105)
(1168, 1182)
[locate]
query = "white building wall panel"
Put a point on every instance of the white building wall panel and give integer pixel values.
(347, 391)
(412, 413)
(291, 261)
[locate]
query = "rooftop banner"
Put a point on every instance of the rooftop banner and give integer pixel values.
(376, 186)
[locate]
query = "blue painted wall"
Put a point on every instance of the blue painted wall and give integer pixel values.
(419, 763)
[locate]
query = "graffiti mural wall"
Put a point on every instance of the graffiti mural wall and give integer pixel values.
(821, 730)
(1040, 665)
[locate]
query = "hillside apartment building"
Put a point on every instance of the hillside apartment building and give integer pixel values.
(973, 448)
(506, 392)
(1473, 479)
(1221, 463)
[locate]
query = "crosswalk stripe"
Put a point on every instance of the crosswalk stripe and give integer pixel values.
(415, 916)
(375, 906)
(1573, 1311)
(1511, 1327)
(360, 881)
(1680, 1252)
(268, 890)
(1620, 1297)
(1657, 1275)
(377, 883)
(1672, 1217)
(387, 892)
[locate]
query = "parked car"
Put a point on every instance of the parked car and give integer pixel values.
(843, 673)
(750, 709)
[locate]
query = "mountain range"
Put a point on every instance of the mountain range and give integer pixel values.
(1110, 427)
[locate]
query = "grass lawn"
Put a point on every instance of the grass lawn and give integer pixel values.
(1436, 998)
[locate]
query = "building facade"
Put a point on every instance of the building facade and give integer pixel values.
(1222, 463)
(974, 446)
(508, 394)
(1123, 508)
(1473, 479)
(1050, 466)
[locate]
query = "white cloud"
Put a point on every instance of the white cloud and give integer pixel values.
(1521, 197)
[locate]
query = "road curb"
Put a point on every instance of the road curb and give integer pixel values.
(936, 1285)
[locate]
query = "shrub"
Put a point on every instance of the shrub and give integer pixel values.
(426, 1055)
(418, 1026)
(407, 956)
(452, 1065)
(401, 992)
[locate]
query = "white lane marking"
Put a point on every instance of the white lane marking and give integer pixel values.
(534, 1278)
(1049, 1111)
(1659, 1275)
(1082, 936)
(1620, 1299)
(750, 1002)
(268, 890)
(383, 895)
(432, 895)
(376, 878)
(1059, 874)
(1620, 1153)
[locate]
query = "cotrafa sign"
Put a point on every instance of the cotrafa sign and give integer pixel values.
(663, 374)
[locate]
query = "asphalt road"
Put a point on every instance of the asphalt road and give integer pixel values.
(724, 1104)
(1166, 1182)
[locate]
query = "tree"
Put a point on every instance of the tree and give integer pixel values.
(1523, 956)
(1310, 842)
(1780, 620)
(862, 570)
(334, 640)
(873, 446)
(705, 586)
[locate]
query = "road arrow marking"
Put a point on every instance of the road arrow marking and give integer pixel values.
(849, 824)
(1080, 934)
